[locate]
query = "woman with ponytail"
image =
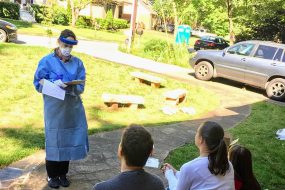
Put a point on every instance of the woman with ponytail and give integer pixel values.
(211, 170)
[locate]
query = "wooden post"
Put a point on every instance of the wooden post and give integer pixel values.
(133, 24)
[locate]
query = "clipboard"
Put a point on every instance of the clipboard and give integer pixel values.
(75, 82)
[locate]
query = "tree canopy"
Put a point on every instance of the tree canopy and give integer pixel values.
(247, 19)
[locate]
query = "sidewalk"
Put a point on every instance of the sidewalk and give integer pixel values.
(102, 162)
(109, 51)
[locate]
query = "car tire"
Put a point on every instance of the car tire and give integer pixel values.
(276, 89)
(204, 71)
(3, 36)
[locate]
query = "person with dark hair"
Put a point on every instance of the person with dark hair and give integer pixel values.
(66, 136)
(241, 159)
(211, 170)
(134, 149)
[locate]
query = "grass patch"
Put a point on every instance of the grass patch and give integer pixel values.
(257, 133)
(171, 53)
(82, 33)
(21, 113)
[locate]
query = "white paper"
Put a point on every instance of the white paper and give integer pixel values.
(281, 132)
(152, 162)
(53, 90)
(172, 180)
(60, 83)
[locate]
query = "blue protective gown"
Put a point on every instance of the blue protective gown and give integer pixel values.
(66, 136)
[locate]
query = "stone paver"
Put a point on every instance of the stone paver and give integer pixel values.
(102, 162)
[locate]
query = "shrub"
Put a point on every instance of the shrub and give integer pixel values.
(9, 10)
(105, 24)
(60, 16)
(162, 51)
(84, 22)
(51, 15)
(39, 12)
(155, 45)
(120, 24)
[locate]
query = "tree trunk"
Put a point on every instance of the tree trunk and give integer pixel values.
(72, 13)
(282, 35)
(175, 18)
(230, 18)
(91, 11)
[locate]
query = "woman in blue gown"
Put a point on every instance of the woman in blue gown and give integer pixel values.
(66, 136)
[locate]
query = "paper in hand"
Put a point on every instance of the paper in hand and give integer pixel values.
(60, 83)
(152, 162)
(53, 90)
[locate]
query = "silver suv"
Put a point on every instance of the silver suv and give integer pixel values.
(257, 63)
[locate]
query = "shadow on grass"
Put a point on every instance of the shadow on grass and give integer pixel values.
(19, 143)
(28, 137)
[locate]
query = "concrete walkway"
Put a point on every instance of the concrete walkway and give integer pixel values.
(109, 51)
(102, 162)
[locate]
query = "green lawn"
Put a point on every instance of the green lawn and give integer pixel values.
(257, 133)
(21, 113)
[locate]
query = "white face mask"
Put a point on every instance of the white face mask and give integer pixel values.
(65, 51)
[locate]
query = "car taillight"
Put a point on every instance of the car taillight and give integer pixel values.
(211, 44)
(197, 42)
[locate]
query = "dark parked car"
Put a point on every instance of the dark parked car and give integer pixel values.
(8, 31)
(210, 42)
(257, 63)
(161, 28)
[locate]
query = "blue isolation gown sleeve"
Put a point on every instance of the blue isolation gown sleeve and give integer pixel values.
(42, 72)
(81, 75)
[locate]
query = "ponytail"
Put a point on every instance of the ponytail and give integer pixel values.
(213, 134)
(218, 160)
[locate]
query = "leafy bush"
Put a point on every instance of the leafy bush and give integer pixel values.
(84, 22)
(120, 24)
(155, 45)
(39, 10)
(51, 15)
(162, 51)
(9, 10)
(159, 49)
(105, 24)
(60, 16)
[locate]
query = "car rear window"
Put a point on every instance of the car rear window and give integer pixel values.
(278, 55)
(219, 40)
(265, 52)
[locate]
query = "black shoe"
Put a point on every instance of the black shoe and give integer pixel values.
(64, 182)
(53, 182)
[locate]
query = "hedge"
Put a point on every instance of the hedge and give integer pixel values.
(39, 12)
(9, 10)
